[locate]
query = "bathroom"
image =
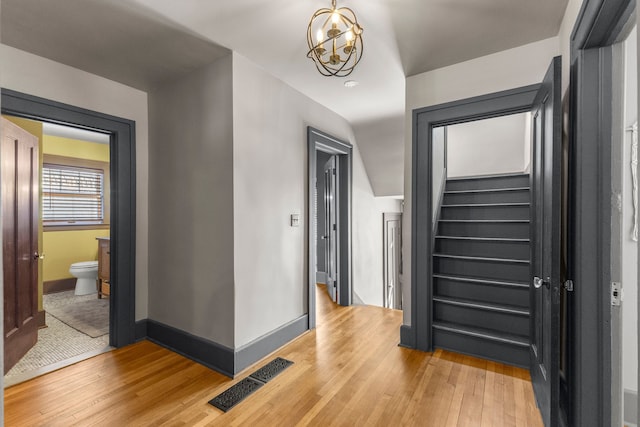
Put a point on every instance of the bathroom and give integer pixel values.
(73, 245)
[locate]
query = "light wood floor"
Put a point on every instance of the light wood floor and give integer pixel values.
(349, 371)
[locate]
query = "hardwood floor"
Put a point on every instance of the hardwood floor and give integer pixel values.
(349, 371)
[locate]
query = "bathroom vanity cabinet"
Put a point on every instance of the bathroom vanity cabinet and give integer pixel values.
(104, 265)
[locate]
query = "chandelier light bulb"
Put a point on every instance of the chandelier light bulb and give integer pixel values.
(335, 17)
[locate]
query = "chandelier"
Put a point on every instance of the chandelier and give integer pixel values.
(335, 40)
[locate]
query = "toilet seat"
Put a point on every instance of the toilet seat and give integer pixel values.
(84, 265)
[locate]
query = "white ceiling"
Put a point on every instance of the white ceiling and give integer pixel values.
(142, 42)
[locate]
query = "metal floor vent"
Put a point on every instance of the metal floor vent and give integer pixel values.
(239, 391)
(271, 369)
(235, 394)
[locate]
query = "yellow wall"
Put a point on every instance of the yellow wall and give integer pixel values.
(58, 146)
(34, 128)
(63, 248)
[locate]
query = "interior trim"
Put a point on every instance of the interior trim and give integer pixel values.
(220, 358)
(60, 285)
(123, 195)
(320, 141)
(249, 354)
(201, 350)
(424, 120)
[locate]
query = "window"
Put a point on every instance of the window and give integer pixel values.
(73, 193)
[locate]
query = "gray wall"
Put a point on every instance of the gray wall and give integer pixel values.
(270, 183)
(191, 257)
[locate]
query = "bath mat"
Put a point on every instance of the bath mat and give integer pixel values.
(90, 317)
(271, 369)
(235, 394)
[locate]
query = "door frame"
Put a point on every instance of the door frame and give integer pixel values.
(599, 25)
(320, 141)
(123, 195)
(512, 101)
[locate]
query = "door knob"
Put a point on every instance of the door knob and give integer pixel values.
(538, 282)
(36, 255)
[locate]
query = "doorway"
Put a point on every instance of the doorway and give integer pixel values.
(329, 218)
(121, 136)
(543, 101)
(72, 211)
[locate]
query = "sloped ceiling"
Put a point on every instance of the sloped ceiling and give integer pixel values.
(143, 42)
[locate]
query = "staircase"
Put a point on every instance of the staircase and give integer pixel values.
(481, 269)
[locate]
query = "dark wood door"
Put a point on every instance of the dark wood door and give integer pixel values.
(546, 245)
(20, 216)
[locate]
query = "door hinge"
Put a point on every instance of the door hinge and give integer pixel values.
(616, 293)
(334, 171)
(568, 285)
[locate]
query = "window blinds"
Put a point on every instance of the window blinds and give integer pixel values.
(72, 195)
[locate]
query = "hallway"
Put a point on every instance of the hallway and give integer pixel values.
(349, 371)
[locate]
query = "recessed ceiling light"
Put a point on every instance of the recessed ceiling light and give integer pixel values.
(351, 83)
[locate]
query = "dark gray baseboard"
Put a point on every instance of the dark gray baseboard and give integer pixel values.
(141, 329)
(250, 353)
(213, 355)
(631, 407)
(407, 338)
(203, 351)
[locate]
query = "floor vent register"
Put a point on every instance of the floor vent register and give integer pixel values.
(241, 390)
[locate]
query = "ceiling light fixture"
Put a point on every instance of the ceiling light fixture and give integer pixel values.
(332, 33)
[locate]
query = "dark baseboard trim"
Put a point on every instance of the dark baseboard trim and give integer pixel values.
(41, 319)
(252, 352)
(53, 286)
(407, 338)
(631, 407)
(141, 329)
(203, 351)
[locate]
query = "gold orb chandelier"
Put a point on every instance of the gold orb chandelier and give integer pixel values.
(335, 40)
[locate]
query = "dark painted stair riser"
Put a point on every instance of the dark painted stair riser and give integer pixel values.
(514, 230)
(506, 181)
(479, 267)
(514, 295)
(487, 196)
(496, 212)
(484, 248)
(500, 352)
(503, 322)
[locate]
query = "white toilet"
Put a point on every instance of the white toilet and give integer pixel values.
(87, 274)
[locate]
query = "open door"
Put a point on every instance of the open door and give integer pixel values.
(20, 215)
(331, 226)
(546, 237)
